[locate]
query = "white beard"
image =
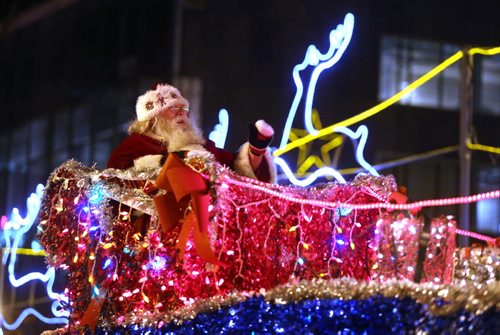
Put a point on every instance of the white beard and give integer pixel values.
(179, 137)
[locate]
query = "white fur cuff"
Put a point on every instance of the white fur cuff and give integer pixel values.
(242, 164)
(148, 161)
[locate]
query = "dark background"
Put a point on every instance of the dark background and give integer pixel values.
(71, 71)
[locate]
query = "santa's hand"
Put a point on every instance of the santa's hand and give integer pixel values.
(260, 135)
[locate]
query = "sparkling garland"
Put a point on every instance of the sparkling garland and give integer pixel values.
(397, 243)
(439, 254)
(335, 305)
(476, 267)
(101, 227)
(111, 249)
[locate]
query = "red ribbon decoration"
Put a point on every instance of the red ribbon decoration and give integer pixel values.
(185, 187)
(91, 314)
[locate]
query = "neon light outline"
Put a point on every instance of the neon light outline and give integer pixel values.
(342, 32)
(362, 134)
(324, 171)
(27, 312)
(332, 142)
(313, 57)
(19, 226)
(219, 133)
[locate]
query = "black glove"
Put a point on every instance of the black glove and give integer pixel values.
(260, 135)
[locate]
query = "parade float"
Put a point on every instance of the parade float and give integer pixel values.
(229, 254)
(330, 257)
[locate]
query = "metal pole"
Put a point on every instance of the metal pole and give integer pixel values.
(466, 109)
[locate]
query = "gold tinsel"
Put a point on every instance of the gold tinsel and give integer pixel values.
(441, 300)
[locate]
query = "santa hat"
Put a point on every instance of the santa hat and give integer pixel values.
(161, 97)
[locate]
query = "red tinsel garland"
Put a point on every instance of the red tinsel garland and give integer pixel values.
(114, 251)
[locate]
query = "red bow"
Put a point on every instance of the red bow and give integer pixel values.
(185, 187)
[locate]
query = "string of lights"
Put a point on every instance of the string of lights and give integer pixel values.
(251, 184)
(477, 236)
(256, 185)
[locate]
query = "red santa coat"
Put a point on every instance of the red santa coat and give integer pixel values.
(137, 145)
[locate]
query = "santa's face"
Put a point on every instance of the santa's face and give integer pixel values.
(174, 106)
(175, 128)
(177, 114)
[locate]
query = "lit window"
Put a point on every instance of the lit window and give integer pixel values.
(489, 92)
(488, 211)
(404, 60)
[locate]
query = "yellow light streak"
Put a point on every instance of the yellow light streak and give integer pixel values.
(24, 251)
(303, 149)
(326, 148)
(392, 100)
(485, 52)
(316, 120)
(482, 147)
(310, 161)
(333, 141)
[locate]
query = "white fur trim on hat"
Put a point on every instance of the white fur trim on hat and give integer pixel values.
(154, 101)
(243, 167)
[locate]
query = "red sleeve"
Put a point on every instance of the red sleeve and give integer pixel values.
(222, 156)
(133, 147)
(263, 172)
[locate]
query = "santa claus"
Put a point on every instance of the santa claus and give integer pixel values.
(164, 126)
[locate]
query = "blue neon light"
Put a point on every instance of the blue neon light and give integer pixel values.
(323, 172)
(107, 263)
(219, 134)
(362, 134)
(339, 40)
(27, 312)
(14, 230)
